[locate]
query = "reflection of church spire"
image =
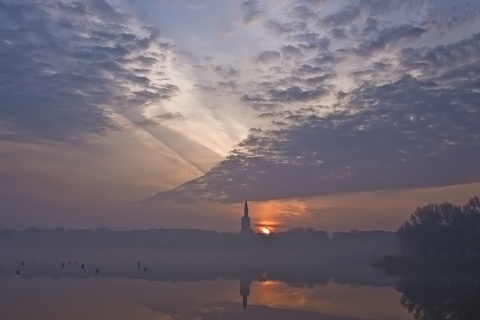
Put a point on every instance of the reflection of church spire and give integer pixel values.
(245, 226)
(245, 291)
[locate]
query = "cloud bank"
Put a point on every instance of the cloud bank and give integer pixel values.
(62, 62)
(265, 99)
(358, 98)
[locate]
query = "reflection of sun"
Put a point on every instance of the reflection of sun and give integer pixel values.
(265, 230)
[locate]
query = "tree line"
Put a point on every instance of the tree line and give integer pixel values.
(443, 232)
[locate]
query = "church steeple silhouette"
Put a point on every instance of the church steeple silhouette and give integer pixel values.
(245, 225)
(245, 291)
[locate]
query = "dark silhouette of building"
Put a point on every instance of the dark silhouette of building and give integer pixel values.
(245, 226)
(245, 291)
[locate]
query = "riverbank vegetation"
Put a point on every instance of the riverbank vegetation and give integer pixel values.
(439, 236)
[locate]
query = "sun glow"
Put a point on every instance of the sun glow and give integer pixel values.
(265, 230)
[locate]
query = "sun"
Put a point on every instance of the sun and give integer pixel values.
(266, 230)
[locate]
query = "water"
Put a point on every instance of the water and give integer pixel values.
(117, 298)
(117, 286)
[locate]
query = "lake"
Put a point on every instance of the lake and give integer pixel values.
(119, 298)
(120, 287)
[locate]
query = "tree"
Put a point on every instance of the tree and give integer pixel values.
(472, 236)
(443, 231)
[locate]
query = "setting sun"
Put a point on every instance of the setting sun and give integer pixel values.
(266, 230)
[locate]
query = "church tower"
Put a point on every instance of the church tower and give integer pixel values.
(245, 227)
(245, 291)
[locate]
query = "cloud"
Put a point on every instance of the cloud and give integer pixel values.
(251, 11)
(268, 56)
(170, 116)
(390, 36)
(399, 113)
(405, 134)
(226, 71)
(303, 12)
(312, 38)
(341, 18)
(347, 96)
(283, 28)
(290, 51)
(430, 61)
(296, 94)
(62, 61)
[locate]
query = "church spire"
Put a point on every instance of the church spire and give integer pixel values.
(245, 226)
(245, 291)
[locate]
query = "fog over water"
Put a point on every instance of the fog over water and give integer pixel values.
(302, 274)
(120, 284)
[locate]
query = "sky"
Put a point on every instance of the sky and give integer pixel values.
(337, 115)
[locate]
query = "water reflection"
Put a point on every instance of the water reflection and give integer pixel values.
(148, 286)
(121, 287)
(441, 297)
(245, 291)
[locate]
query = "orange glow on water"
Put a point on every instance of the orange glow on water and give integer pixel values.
(335, 299)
